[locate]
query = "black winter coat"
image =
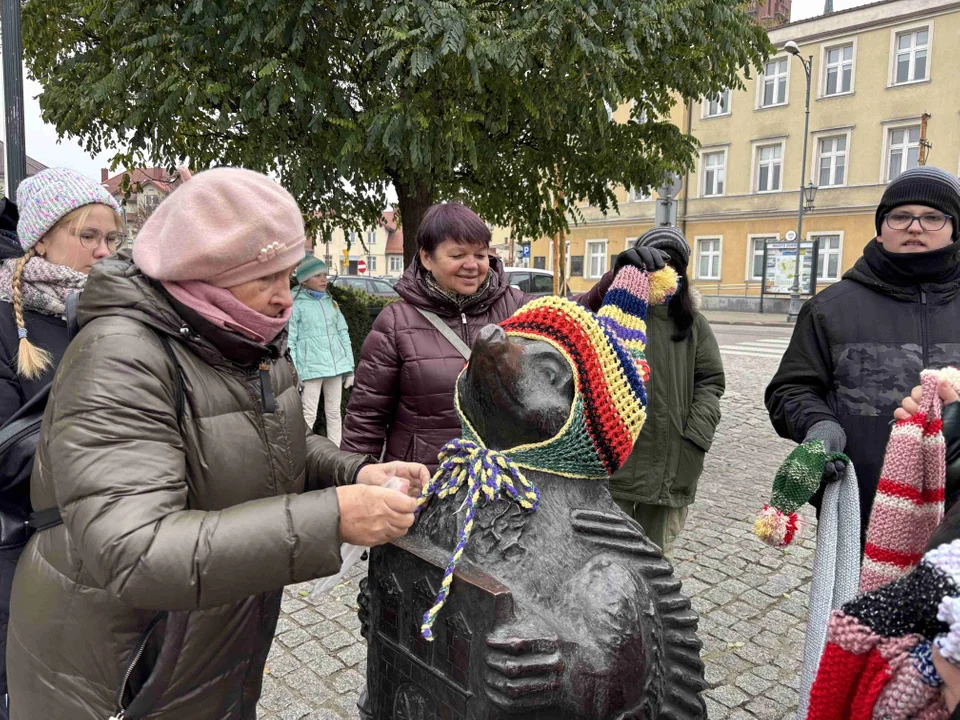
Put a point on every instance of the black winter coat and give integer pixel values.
(49, 333)
(859, 347)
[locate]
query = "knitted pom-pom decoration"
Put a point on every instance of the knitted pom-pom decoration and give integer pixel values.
(663, 284)
(775, 527)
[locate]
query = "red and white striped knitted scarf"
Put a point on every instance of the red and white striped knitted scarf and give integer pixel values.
(910, 495)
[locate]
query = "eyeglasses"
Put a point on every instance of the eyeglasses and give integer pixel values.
(92, 238)
(928, 221)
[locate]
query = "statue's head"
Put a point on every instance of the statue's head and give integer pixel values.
(560, 389)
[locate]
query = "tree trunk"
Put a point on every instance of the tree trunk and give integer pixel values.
(413, 199)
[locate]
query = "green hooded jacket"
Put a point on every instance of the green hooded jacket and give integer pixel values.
(683, 411)
(319, 341)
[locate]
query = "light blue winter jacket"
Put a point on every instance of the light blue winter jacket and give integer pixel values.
(318, 338)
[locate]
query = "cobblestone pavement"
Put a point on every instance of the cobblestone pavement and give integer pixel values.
(752, 599)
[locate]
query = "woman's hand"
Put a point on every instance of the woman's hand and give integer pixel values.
(950, 674)
(372, 515)
(415, 473)
(910, 405)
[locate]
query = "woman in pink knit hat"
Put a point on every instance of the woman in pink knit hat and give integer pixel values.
(190, 491)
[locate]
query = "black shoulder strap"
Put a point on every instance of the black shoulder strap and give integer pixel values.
(73, 327)
(179, 398)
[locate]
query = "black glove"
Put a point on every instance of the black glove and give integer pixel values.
(643, 258)
(834, 440)
(834, 470)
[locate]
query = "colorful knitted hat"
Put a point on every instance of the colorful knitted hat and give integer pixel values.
(794, 484)
(909, 501)
(605, 351)
(51, 194)
(309, 267)
(877, 661)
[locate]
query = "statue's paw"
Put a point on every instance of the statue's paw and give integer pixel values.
(522, 672)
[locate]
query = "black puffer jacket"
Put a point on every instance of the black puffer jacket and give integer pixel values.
(49, 333)
(859, 347)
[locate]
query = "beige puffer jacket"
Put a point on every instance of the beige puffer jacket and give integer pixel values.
(208, 522)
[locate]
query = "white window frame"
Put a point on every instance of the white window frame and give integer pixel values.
(775, 237)
(371, 237)
(819, 135)
(697, 242)
(398, 261)
(633, 195)
(811, 234)
(755, 164)
(588, 274)
(761, 82)
(902, 30)
(702, 174)
(705, 113)
(824, 51)
(887, 129)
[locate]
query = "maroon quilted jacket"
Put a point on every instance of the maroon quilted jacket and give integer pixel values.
(403, 391)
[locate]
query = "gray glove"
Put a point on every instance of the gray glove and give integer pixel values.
(834, 440)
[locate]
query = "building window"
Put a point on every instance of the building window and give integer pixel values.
(636, 195)
(769, 167)
(756, 255)
(714, 173)
(371, 237)
(372, 264)
(352, 237)
(828, 258)
(833, 161)
(396, 263)
(910, 63)
(838, 70)
(597, 259)
(708, 259)
(903, 150)
(576, 266)
(774, 87)
(539, 262)
(717, 105)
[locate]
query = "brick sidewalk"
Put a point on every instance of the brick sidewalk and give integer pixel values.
(752, 598)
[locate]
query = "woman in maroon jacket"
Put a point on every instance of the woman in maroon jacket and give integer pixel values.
(403, 391)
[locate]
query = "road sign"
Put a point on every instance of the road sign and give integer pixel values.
(361, 266)
(672, 183)
(665, 213)
(525, 252)
(791, 235)
(346, 254)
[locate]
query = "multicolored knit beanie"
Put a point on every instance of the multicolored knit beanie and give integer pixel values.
(877, 662)
(794, 484)
(910, 494)
(605, 351)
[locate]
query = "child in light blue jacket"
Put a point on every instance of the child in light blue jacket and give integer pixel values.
(320, 346)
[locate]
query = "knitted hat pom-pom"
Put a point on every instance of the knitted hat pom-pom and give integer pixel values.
(775, 527)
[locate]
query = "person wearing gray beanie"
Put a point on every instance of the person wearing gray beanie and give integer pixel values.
(859, 345)
(658, 482)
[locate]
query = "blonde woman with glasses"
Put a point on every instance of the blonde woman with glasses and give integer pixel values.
(67, 224)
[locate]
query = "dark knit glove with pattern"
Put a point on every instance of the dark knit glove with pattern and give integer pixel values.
(834, 440)
(794, 484)
(643, 258)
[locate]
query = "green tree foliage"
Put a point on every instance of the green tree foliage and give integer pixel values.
(503, 104)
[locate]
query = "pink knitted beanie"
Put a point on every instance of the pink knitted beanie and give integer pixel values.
(224, 227)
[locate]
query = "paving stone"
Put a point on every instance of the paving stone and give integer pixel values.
(728, 696)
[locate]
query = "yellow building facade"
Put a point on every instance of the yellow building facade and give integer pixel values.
(876, 71)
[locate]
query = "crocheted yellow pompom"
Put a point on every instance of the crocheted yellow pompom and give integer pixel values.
(663, 284)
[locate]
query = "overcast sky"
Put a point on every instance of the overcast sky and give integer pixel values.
(42, 141)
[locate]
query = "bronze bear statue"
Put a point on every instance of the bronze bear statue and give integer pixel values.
(569, 612)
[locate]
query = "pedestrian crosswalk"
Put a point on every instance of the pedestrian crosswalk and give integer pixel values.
(765, 347)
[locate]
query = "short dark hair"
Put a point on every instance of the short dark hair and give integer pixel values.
(451, 221)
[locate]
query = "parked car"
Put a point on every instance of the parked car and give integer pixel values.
(529, 280)
(391, 281)
(374, 286)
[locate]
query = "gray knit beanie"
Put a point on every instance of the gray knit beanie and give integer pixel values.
(669, 239)
(924, 185)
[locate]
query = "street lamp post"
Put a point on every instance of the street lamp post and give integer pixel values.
(13, 96)
(792, 48)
